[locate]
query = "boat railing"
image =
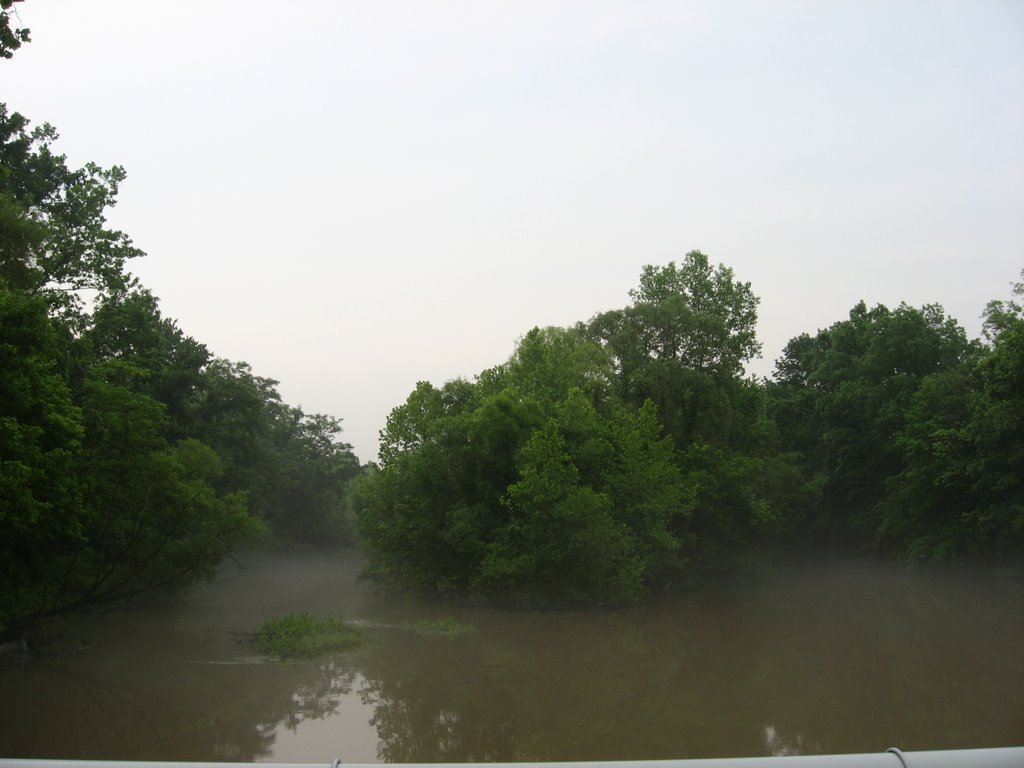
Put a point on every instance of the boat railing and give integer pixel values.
(1002, 757)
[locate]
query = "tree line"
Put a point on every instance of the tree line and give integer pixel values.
(603, 461)
(131, 458)
(599, 463)
(630, 453)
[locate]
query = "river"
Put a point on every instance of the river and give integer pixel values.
(839, 657)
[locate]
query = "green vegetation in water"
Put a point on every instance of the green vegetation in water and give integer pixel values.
(449, 625)
(300, 634)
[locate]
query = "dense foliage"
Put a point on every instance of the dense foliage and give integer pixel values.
(599, 462)
(915, 433)
(630, 452)
(130, 457)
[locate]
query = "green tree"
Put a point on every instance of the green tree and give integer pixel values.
(447, 456)
(54, 240)
(928, 504)
(591, 516)
(959, 491)
(290, 465)
(548, 362)
(997, 429)
(40, 448)
(682, 344)
(597, 463)
(133, 514)
(698, 315)
(152, 517)
(11, 38)
(556, 495)
(129, 460)
(309, 500)
(94, 497)
(231, 414)
(842, 399)
(130, 327)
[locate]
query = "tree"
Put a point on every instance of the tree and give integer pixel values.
(548, 362)
(695, 315)
(10, 38)
(290, 465)
(997, 429)
(959, 491)
(529, 486)
(309, 500)
(98, 505)
(129, 326)
(928, 504)
(41, 432)
(153, 518)
(129, 460)
(54, 240)
(682, 344)
(447, 456)
(842, 399)
(698, 315)
(597, 463)
(591, 517)
(129, 512)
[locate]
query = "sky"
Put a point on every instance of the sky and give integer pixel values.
(356, 196)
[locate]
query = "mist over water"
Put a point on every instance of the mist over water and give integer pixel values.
(840, 657)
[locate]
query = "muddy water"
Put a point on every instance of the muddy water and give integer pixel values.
(840, 658)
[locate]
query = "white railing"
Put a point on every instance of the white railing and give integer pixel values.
(1005, 757)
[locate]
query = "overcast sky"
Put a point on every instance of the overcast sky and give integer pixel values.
(354, 196)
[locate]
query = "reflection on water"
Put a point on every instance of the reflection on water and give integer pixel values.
(841, 658)
(778, 746)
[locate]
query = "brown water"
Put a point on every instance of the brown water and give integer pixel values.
(840, 658)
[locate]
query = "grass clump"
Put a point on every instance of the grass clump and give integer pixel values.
(300, 634)
(446, 626)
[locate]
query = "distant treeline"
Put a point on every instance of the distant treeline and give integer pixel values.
(130, 458)
(630, 453)
(625, 454)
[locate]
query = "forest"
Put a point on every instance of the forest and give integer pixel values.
(620, 457)
(602, 462)
(131, 459)
(630, 452)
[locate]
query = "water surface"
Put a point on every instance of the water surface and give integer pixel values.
(843, 657)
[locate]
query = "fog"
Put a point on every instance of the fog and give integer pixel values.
(805, 658)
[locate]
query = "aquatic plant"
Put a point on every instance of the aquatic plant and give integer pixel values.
(449, 625)
(301, 634)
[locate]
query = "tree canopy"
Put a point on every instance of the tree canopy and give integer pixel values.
(131, 459)
(628, 453)
(598, 463)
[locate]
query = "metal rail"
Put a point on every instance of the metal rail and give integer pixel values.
(1005, 757)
